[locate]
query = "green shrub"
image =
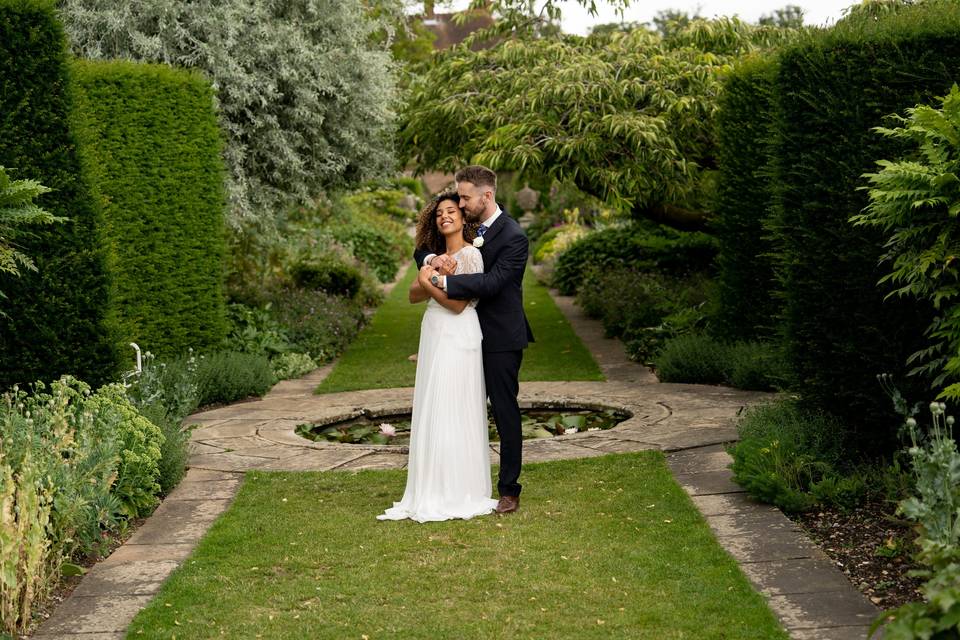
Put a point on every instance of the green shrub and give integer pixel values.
(385, 201)
(557, 240)
(254, 330)
(227, 376)
(758, 366)
(292, 365)
(58, 319)
(832, 88)
(370, 245)
(694, 358)
(645, 247)
(624, 299)
(140, 443)
(328, 273)
(747, 308)
(783, 451)
(150, 143)
(319, 323)
(701, 358)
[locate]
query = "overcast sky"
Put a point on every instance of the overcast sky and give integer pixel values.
(815, 12)
(576, 19)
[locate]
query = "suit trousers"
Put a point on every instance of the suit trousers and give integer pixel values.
(501, 374)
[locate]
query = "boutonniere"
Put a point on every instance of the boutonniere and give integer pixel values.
(478, 242)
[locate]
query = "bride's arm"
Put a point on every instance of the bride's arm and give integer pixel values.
(438, 294)
(417, 294)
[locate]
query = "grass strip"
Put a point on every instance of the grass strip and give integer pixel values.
(378, 358)
(607, 547)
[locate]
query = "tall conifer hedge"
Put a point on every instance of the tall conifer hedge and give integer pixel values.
(832, 88)
(745, 277)
(57, 320)
(150, 144)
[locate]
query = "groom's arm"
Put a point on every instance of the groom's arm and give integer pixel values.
(510, 265)
(420, 256)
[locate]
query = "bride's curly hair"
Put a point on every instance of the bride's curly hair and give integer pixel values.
(429, 237)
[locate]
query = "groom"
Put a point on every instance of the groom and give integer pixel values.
(506, 332)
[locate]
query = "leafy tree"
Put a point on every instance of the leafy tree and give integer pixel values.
(789, 17)
(304, 87)
(917, 200)
(667, 22)
(624, 116)
(18, 210)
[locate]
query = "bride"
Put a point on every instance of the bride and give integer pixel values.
(448, 474)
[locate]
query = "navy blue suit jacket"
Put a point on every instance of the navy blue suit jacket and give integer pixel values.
(499, 288)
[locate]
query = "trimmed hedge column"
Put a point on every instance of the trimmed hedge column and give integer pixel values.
(832, 89)
(746, 282)
(151, 146)
(57, 320)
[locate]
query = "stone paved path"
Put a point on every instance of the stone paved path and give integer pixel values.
(688, 422)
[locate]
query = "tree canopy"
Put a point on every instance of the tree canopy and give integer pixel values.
(625, 116)
(305, 87)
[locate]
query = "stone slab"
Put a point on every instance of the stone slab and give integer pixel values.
(179, 521)
(774, 544)
(228, 429)
(199, 475)
(546, 450)
(754, 522)
(226, 462)
(804, 575)
(707, 483)
(614, 445)
(94, 614)
(314, 460)
(812, 610)
(206, 490)
(729, 503)
(139, 577)
(149, 552)
(713, 458)
(378, 461)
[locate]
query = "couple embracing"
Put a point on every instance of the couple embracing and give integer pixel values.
(471, 256)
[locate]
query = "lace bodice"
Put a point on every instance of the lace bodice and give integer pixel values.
(468, 260)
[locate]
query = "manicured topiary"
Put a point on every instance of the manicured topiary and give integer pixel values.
(57, 320)
(748, 307)
(150, 144)
(832, 88)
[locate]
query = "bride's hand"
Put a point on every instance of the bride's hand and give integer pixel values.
(426, 272)
(446, 265)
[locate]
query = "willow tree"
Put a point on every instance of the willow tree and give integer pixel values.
(305, 88)
(626, 117)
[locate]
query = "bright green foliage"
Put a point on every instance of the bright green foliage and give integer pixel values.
(65, 474)
(140, 443)
(17, 210)
(627, 117)
(916, 202)
(304, 90)
(150, 145)
(831, 90)
(745, 276)
(58, 319)
(785, 452)
(701, 359)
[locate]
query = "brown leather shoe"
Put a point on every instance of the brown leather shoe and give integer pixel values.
(508, 504)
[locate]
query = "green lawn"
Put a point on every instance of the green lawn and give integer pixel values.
(606, 547)
(378, 358)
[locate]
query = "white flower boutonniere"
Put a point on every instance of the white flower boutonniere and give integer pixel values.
(478, 242)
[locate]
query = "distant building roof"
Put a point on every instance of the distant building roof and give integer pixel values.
(448, 32)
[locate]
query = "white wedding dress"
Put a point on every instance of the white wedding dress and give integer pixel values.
(448, 473)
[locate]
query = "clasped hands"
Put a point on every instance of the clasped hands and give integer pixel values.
(443, 265)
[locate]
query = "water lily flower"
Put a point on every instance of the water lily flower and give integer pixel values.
(388, 429)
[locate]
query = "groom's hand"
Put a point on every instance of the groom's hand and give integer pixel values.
(445, 264)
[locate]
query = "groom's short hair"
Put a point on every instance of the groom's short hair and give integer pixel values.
(477, 175)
